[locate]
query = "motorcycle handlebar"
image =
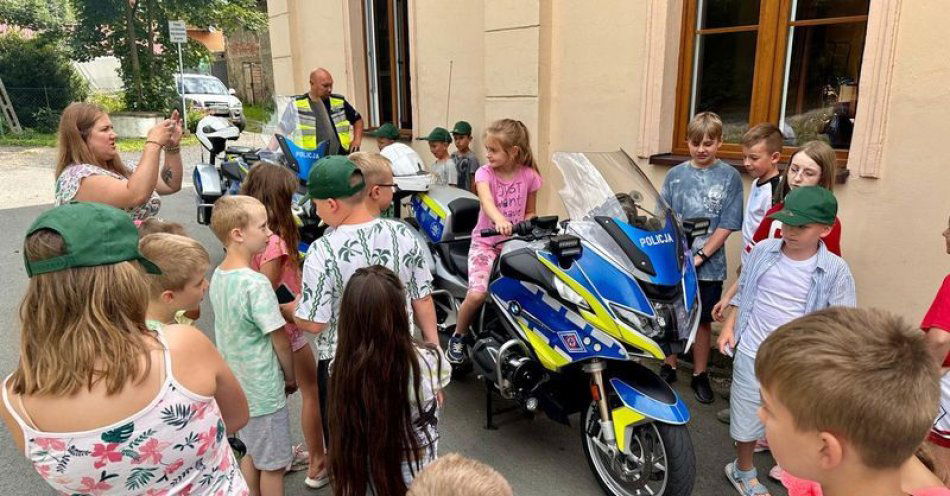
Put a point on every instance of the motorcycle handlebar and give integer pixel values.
(520, 229)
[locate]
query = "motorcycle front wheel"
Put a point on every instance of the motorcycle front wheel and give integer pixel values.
(661, 462)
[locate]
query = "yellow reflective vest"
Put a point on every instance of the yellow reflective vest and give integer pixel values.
(307, 122)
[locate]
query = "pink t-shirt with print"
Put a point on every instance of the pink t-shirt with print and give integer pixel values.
(511, 197)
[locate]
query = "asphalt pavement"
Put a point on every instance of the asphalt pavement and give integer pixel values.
(537, 456)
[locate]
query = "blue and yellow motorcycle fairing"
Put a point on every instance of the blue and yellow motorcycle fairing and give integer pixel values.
(584, 302)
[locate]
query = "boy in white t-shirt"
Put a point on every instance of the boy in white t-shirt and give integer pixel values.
(761, 151)
(403, 159)
(783, 279)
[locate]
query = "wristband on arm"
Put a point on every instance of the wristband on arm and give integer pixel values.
(702, 255)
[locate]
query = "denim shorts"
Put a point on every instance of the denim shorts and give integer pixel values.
(744, 401)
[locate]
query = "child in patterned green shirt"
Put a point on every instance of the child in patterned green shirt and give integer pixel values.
(249, 331)
(359, 239)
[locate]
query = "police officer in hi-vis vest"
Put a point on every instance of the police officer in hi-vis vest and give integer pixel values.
(324, 115)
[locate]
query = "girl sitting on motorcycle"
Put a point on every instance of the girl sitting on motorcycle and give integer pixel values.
(385, 395)
(507, 188)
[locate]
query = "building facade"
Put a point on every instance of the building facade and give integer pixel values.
(628, 74)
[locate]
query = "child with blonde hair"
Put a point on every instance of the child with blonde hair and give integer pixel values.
(182, 284)
(154, 225)
(378, 175)
(274, 186)
(95, 391)
(704, 186)
(249, 330)
(507, 190)
(460, 476)
(848, 396)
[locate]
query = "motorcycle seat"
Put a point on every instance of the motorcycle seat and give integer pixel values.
(464, 216)
(238, 150)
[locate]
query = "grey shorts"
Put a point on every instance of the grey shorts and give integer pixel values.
(267, 438)
(744, 401)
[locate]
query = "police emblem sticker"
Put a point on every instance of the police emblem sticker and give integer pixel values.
(572, 341)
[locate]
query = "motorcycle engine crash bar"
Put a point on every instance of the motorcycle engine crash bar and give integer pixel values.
(502, 387)
(442, 292)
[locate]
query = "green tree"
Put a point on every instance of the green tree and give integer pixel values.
(39, 79)
(136, 32)
(44, 16)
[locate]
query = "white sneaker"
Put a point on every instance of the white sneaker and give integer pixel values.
(320, 481)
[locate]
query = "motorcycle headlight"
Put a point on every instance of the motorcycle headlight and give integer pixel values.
(639, 322)
(569, 294)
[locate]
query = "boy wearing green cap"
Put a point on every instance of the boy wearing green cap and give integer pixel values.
(358, 239)
(403, 159)
(783, 279)
(465, 160)
(443, 168)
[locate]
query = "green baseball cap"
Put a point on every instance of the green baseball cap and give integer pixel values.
(387, 130)
(94, 234)
(438, 134)
(462, 127)
(808, 205)
(330, 178)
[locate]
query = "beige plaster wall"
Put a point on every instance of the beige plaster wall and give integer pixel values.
(447, 34)
(891, 226)
(303, 38)
(578, 77)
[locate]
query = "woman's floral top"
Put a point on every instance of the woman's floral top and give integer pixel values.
(174, 446)
(67, 185)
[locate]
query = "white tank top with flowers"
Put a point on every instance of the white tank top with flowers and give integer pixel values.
(174, 446)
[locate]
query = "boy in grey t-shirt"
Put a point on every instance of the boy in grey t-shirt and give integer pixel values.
(443, 168)
(465, 160)
(705, 187)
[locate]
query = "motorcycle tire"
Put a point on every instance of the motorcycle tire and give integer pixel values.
(676, 448)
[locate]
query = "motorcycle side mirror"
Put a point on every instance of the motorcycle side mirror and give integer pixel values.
(695, 227)
(566, 248)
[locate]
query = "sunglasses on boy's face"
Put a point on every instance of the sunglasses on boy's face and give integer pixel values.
(393, 186)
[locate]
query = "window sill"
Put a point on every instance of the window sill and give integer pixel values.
(671, 159)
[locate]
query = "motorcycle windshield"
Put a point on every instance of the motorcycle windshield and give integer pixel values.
(611, 185)
(283, 120)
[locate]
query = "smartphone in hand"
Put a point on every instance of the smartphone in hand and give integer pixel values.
(284, 294)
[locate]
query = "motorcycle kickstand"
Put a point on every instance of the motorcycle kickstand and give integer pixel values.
(489, 411)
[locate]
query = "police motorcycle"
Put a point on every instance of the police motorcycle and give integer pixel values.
(575, 306)
(227, 166)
